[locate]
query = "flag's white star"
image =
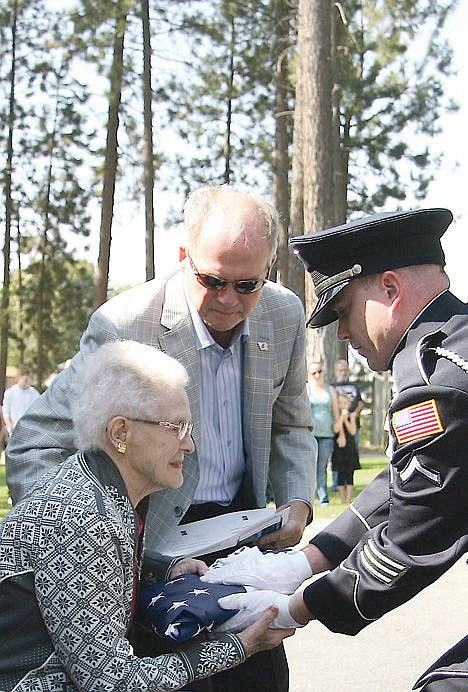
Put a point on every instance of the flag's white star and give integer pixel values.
(198, 592)
(177, 604)
(172, 630)
(154, 599)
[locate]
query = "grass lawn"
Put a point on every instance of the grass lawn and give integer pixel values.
(371, 464)
(4, 506)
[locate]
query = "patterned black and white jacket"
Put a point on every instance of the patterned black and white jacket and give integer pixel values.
(67, 566)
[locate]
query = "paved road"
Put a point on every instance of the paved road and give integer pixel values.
(389, 655)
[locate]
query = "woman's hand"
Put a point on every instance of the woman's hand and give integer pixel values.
(189, 565)
(260, 636)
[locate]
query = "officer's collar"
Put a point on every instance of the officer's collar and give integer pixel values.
(411, 329)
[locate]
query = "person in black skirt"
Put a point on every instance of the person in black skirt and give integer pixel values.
(345, 454)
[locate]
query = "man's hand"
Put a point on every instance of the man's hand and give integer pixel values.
(251, 606)
(291, 532)
(188, 566)
(260, 636)
(282, 572)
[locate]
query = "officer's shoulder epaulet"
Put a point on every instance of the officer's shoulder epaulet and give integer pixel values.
(429, 350)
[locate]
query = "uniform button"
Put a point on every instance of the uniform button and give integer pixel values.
(178, 511)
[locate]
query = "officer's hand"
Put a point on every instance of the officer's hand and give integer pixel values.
(251, 607)
(283, 571)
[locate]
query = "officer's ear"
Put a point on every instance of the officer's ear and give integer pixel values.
(391, 285)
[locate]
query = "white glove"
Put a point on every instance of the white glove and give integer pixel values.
(282, 572)
(251, 606)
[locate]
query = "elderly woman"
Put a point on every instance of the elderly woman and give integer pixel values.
(69, 551)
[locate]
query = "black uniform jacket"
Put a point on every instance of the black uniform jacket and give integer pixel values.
(410, 524)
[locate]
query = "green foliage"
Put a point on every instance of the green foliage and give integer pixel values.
(4, 506)
(50, 194)
(214, 95)
(221, 101)
(66, 299)
(391, 66)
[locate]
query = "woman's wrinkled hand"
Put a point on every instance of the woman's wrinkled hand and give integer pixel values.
(189, 565)
(260, 636)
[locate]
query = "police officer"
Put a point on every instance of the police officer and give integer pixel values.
(382, 278)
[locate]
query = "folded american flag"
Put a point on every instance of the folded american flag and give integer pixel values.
(183, 607)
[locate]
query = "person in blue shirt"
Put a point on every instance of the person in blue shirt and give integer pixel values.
(323, 401)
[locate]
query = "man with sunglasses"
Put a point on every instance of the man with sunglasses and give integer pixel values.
(241, 338)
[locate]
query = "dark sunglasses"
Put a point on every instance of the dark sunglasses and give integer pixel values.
(216, 284)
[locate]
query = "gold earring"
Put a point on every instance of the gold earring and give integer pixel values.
(121, 447)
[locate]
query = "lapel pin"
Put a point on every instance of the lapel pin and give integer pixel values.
(262, 345)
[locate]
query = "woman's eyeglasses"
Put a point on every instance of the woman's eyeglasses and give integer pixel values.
(183, 428)
(214, 283)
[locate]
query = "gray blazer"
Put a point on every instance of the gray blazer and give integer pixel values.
(278, 442)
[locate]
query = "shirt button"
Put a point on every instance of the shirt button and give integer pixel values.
(178, 511)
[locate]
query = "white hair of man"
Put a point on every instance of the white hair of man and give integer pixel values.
(123, 378)
(212, 199)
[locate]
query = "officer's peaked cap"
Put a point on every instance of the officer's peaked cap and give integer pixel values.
(369, 245)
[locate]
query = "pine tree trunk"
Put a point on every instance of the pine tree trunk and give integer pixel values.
(110, 164)
(312, 206)
(340, 169)
(41, 305)
(4, 317)
(227, 149)
(281, 196)
(148, 141)
(296, 280)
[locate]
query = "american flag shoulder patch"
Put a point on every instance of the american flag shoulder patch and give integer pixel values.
(419, 420)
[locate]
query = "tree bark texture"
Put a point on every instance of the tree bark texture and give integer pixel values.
(148, 164)
(5, 317)
(281, 161)
(110, 164)
(312, 197)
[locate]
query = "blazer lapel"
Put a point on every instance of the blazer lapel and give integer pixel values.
(179, 342)
(258, 402)
(168, 506)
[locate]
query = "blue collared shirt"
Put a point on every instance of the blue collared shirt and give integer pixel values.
(221, 454)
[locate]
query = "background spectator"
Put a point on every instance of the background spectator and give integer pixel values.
(342, 384)
(18, 398)
(345, 454)
(323, 400)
